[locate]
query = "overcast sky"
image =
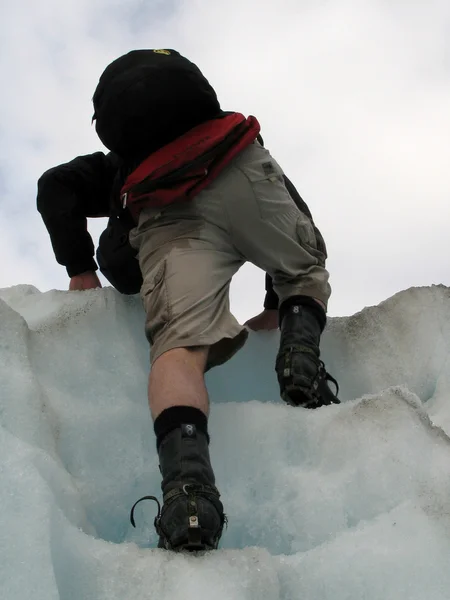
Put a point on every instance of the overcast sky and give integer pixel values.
(353, 97)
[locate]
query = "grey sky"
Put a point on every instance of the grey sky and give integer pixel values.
(353, 97)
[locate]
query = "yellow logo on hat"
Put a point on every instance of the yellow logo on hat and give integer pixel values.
(162, 52)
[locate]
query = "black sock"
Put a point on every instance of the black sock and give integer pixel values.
(316, 308)
(176, 416)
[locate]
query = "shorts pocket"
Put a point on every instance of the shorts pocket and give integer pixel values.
(265, 177)
(262, 169)
(309, 240)
(320, 242)
(155, 298)
(168, 232)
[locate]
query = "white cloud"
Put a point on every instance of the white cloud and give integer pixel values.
(352, 96)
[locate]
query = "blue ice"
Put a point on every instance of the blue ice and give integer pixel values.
(345, 502)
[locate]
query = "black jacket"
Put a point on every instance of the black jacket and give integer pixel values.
(89, 186)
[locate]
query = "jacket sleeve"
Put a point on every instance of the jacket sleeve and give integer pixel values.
(271, 300)
(67, 195)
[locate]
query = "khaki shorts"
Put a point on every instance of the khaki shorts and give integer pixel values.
(189, 252)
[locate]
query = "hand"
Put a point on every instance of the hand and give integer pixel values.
(84, 281)
(267, 320)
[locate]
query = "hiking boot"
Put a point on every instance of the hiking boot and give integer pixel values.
(192, 517)
(301, 374)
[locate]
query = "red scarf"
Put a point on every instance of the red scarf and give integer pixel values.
(183, 168)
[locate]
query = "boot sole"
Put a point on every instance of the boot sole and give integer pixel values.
(190, 548)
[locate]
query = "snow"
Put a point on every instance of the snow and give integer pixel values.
(345, 502)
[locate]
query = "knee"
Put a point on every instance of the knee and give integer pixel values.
(194, 358)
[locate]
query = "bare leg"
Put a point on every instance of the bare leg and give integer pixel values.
(192, 516)
(177, 378)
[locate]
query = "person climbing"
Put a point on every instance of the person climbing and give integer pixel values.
(191, 195)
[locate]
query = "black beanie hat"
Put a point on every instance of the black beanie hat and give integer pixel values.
(147, 98)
